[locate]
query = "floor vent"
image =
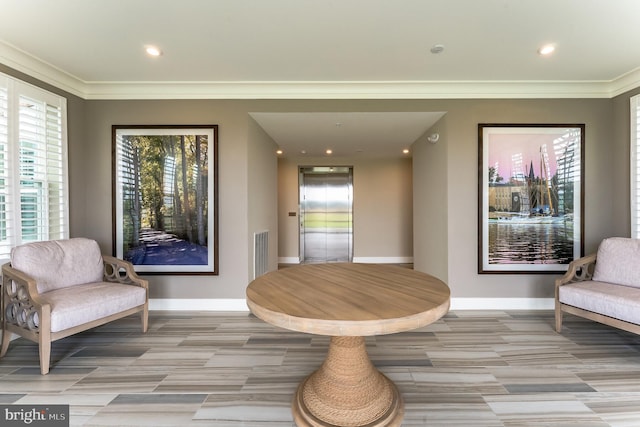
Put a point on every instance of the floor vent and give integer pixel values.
(260, 253)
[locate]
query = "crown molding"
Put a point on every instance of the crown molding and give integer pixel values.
(345, 90)
(34, 67)
(25, 63)
(625, 83)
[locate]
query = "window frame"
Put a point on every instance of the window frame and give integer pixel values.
(634, 166)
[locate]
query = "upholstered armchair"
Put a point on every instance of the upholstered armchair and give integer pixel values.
(57, 288)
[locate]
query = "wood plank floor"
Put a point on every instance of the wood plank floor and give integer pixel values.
(471, 368)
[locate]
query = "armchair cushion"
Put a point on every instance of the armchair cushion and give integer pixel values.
(619, 302)
(77, 305)
(58, 264)
(618, 262)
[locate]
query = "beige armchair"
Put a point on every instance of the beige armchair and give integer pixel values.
(57, 288)
(604, 286)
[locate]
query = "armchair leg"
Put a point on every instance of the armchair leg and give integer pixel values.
(144, 315)
(45, 356)
(44, 339)
(558, 319)
(6, 339)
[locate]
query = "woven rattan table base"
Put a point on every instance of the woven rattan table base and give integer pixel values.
(347, 391)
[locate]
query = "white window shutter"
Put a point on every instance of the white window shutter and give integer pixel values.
(5, 195)
(56, 174)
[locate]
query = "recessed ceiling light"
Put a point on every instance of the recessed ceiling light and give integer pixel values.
(329, 151)
(547, 49)
(279, 151)
(405, 151)
(437, 48)
(153, 51)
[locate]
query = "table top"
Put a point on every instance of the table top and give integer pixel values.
(348, 299)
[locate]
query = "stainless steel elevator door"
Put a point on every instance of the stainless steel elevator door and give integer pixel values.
(326, 216)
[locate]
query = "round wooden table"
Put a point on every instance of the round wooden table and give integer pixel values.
(348, 301)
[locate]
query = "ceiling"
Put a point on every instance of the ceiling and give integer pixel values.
(326, 49)
(346, 134)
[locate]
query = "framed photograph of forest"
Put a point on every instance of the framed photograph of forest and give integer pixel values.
(165, 198)
(530, 197)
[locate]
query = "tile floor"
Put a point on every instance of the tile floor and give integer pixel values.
(471, 368)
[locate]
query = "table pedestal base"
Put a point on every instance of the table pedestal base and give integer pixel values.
(347, 391)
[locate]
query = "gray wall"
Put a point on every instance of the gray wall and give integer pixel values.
(459, 129)
(262, 200)
(444, 212)
(233, 177)
(430, 203)
(450, 165)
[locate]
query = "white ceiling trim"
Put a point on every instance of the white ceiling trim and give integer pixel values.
(345, 90)
(625, 83)
(23, 62)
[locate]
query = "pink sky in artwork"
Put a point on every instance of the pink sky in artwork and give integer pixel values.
(503, 147)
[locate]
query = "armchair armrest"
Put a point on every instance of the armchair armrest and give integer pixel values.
(121, 271)
(579, 270)
(22, 304)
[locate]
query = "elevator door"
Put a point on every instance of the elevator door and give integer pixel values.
(326, 216)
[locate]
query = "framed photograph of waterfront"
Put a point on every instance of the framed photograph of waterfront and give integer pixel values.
(165, 210)
(530, 197)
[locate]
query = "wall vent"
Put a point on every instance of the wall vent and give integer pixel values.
(260, 253)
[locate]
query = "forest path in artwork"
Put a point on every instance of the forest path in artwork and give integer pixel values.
(160, 248)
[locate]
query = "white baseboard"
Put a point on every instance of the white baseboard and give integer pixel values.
(217, 304)
(362, 259)
(384, 260)
(456, 304)
(502, 303)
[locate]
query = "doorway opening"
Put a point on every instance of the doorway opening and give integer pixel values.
(326, 214)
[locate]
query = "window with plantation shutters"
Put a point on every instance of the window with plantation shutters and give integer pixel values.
(635, 166)
(33, 165)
